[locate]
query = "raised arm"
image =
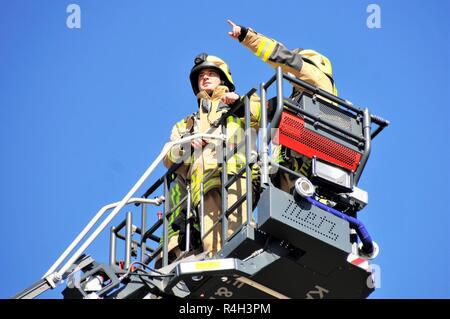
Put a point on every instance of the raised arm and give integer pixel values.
(276, 54)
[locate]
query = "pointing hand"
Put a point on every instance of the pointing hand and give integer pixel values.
(236, 30)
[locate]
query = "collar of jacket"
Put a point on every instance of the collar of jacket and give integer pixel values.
(218, 92)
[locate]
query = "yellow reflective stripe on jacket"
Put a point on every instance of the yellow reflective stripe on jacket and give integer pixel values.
(197, 177)
(261, 47)
(265, 49)
(231, 129)
(276, 154)
(175, 196)
(181, 126)
(235, 136)
(240, 127)
(234, 125)
(269, 51)
(255, 108)
(212, 183)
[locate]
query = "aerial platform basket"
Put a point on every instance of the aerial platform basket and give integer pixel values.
(304, 244)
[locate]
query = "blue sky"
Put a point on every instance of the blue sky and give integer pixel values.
(83, 112)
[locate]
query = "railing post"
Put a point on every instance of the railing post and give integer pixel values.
(277, 116)
(248, 155)
(264, 144)
(165, 260)
(128, 235)
(367, 144)
(188, 215)
(112, 246)
(143, 230)
(279, 89)
(224, 181)
(202, 211)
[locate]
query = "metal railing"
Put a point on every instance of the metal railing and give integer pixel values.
(56, 272)
(85, 231)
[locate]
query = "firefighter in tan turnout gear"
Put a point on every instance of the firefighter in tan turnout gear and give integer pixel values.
(305, 64)
(214, 88)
